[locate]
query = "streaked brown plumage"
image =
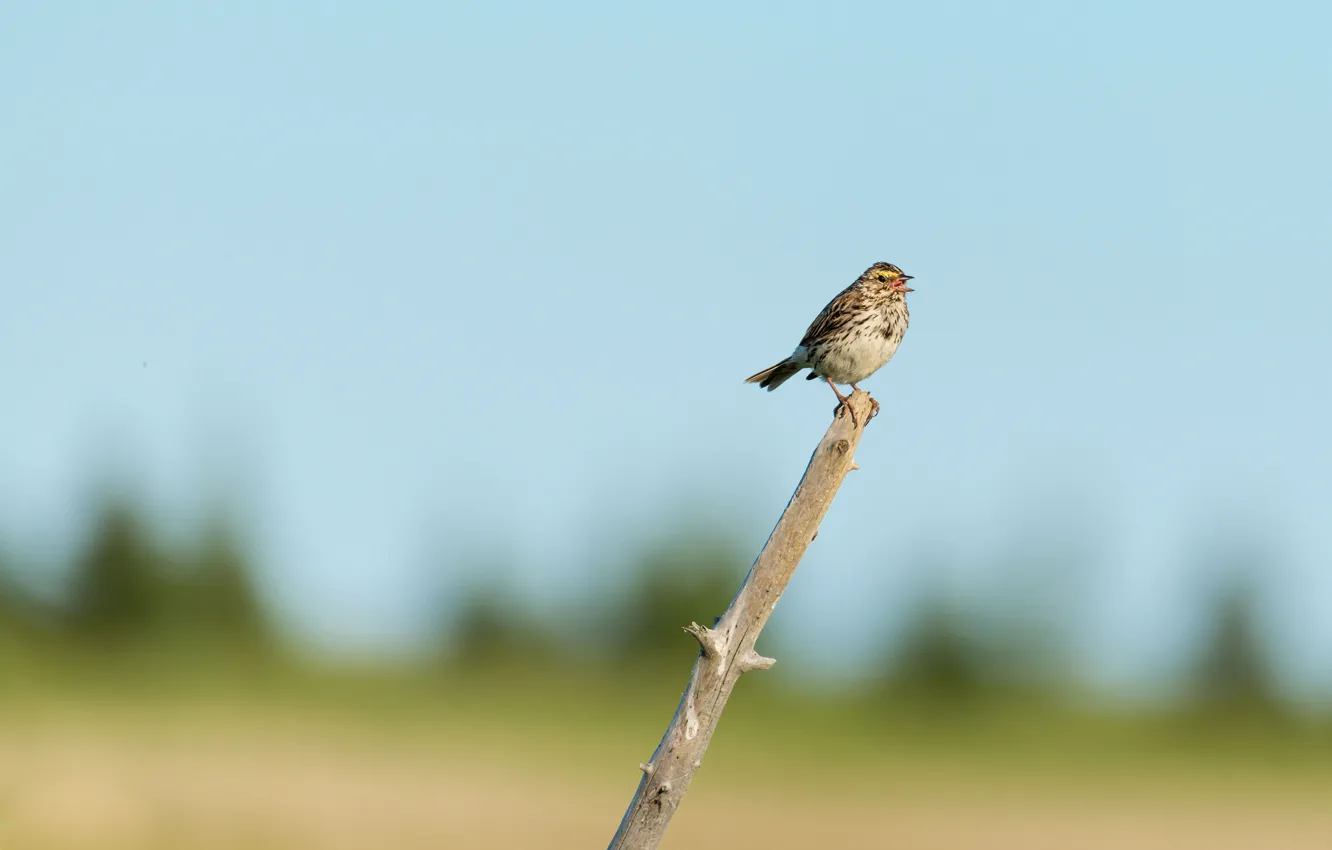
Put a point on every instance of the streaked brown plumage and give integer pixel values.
(855, 335)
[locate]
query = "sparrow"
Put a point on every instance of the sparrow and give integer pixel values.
(852, 338)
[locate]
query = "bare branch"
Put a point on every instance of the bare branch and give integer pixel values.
(753, 661)
(727, 649)
(708, 641)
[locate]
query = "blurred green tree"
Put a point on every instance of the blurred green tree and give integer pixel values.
(688, 576)
(218, 597)
(492, 628)
(128, 585)
(1232, 675)
(11, 602)
(488, 622)
(1233, 672)
(938, 660)
(119, 587)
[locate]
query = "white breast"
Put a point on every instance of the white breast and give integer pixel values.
(855, 361)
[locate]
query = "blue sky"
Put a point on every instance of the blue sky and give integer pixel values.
(410, 276)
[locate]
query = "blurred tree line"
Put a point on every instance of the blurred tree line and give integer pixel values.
(127, 587)
(953, 653)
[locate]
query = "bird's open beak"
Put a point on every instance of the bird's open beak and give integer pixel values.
(902, 281)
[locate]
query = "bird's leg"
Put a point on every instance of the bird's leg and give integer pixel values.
(843, 402)
(874, 410)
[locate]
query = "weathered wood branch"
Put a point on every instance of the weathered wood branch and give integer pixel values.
(727, 649)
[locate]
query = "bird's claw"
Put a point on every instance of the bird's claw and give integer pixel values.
(874, 408)
(845, 405)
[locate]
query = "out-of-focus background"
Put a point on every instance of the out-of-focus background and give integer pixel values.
(371, 421)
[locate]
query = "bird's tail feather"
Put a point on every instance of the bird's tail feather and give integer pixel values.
(772, 377)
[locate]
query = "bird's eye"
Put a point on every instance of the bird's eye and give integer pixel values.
(883, 277)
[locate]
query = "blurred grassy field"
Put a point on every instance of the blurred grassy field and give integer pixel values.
(156, 704)
(118, 757)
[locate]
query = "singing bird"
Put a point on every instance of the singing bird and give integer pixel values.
(855, 335)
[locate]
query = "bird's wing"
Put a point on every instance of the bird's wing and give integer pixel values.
(833, 317)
